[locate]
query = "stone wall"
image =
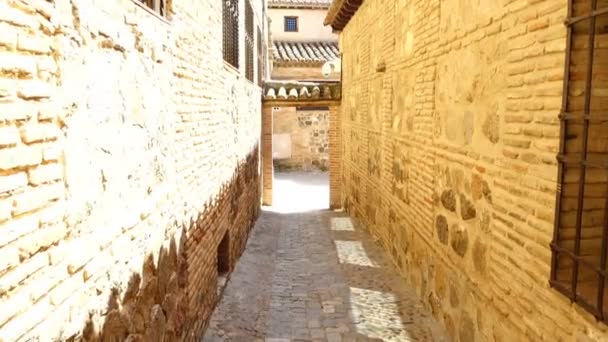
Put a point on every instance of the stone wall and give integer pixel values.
(450, 131)
(128, 151)
(309, 132)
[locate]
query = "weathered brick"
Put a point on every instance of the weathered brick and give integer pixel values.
(34, 90)
(66, 288)
(12, 111)
(47, 64)
(21, 324)
(36, 198)
(42, 282)
(46, 173)
(49, 110)
(8, 36)
(11, 279)
(14, 16)
(83, 251)
(20, 157)
(12, 230)
(52, 214)
(31, 133)
(52, 152)
(16, 303)
(41, 238)
(58, 253)
(9, 257)
(6, 209)
(9, 136)
(35, 44)
(12, 182)
(11, 63)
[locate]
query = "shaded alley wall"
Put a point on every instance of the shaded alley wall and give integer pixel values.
(304, 136)
(128, 151)
(450, 133)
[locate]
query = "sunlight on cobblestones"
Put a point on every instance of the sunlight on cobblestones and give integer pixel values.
(376, 315)
(342, 224)
(353, 252)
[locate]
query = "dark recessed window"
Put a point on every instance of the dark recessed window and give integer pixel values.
(158, 6)
(230, 30)
(249, 41)
(580, 241)
(261, 56)
(291, 24)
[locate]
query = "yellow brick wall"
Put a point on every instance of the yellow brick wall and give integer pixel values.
(127, 151)
(449, 157)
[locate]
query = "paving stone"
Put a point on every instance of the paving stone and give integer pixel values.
(294, 283)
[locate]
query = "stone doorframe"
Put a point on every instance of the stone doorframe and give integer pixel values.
(303, 94)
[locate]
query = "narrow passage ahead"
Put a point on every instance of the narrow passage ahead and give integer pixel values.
(316, 275)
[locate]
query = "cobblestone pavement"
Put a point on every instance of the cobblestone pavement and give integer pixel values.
(317, 276)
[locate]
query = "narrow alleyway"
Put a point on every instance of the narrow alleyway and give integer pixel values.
(313, 274)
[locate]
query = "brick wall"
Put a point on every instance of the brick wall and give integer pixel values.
(128, 151)
(308, 131)
(450, 131)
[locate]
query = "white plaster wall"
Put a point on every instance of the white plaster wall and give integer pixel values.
(310, 25)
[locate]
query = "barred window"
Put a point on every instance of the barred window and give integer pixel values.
(249, 41)
(291, 24)
(580, 241)
(158, 6)
(230, 31)
(261, 58)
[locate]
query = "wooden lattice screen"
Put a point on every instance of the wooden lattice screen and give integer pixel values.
(580, 242)
(230, 31)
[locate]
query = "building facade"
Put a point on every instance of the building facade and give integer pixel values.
(452, 115)
(301, 47)
(129, 174)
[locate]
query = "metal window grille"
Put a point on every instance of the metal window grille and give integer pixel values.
(249, 41)
(230, 31)
(158, 6)
(291, 24)
(261, 58)
(580, 241)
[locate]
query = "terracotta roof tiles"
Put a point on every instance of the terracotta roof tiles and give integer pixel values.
(305, 52)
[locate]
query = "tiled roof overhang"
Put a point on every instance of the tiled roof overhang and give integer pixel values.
(304, 53)
(303, 4)
(295, 93)
(340, 12)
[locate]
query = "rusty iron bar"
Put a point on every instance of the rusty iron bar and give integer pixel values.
(585, 142)
(593, 14)
(604, 251)
(559, 249)
(562, 148)
(572, 116)
(583, 168)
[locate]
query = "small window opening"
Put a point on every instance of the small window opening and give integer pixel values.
(223, 261)
(158, 6)
(580, 241)
(291, 24)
